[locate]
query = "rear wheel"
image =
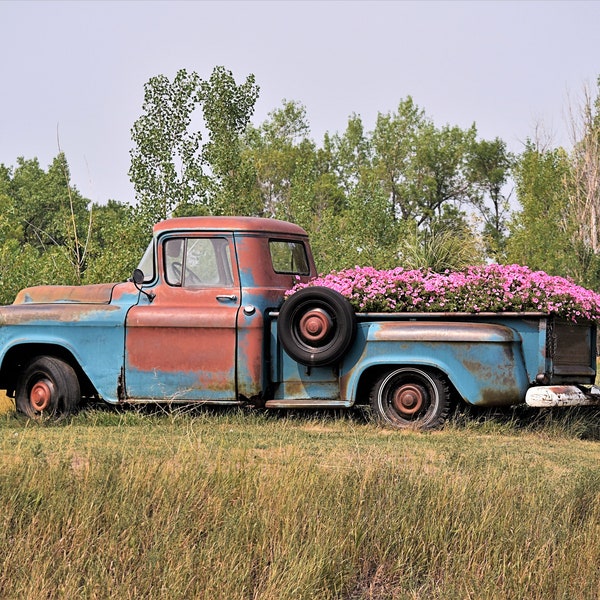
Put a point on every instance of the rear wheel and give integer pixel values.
(47, 387)
(410, 397)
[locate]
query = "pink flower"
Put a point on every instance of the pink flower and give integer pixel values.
(490, 288)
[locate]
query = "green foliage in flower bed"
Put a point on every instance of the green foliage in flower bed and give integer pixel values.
(489, 288)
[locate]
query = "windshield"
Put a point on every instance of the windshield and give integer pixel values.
(147, 263)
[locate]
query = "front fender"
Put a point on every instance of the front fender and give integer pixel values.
(92, 334)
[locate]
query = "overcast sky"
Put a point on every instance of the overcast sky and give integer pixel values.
(77, 69)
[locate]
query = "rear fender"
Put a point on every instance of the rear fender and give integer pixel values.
(482, 361)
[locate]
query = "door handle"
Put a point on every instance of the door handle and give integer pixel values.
(227, 298)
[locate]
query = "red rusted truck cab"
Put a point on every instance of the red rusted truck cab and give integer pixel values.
(199, 331)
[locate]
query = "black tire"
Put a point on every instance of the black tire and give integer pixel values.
(47, 387)
(410, 398)
(316, 326)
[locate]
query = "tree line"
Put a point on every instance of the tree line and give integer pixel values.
(409, 192)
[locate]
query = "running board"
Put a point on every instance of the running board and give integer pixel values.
(562, 395)
(306, 403)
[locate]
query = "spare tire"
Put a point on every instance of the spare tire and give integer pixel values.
(316, 326)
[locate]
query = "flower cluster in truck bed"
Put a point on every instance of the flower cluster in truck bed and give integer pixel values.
(489, 288)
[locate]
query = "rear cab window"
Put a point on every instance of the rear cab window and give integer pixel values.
(289, 257)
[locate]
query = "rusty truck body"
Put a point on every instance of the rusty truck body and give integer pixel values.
(203, 320)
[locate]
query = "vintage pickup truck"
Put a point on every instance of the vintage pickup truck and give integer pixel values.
(204, 320)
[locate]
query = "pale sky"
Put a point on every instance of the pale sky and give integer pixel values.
(76, 70)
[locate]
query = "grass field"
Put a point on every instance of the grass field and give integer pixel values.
(241, 504)
(6, 404)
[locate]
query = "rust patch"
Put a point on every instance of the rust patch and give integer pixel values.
(250, 224)
(251, 349)
(500, 397)
(295, 389)
(49, 314)
(254, 259)
(442, 331)
(86, 294)
(175, 349)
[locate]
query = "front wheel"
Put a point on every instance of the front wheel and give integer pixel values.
(410, 397)
(47, 387)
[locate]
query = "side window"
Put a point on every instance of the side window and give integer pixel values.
(289, 257)
(198, 262)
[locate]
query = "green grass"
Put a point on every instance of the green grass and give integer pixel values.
(240, 504)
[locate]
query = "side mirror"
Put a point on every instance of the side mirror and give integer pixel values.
(138, 277)
(138, 280)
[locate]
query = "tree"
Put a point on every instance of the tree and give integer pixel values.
(18, 260)
(351, 154)
(283, 157)
(558, 228)
(582, 186)
(116, 244)
(421, 167)
(53, 214)
(50, 235)
(366, 225)
(50, 209)
(227, 109)
(394, 143)
(488, 167)
(171, 168)
(166, 162)
(540, 232)
(360, 191)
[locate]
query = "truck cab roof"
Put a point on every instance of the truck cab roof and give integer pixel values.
(236, 224)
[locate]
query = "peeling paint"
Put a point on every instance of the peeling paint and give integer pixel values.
(85, 294)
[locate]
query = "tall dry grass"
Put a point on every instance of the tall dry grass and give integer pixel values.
(6, 404)
(239, 505)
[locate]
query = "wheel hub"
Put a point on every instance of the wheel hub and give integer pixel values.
(315, 325)
(409, 399)
(40, 395)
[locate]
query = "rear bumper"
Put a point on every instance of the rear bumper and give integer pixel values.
(562, 395)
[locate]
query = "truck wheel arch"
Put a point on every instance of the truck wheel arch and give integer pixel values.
(316, 326)
(19, 356)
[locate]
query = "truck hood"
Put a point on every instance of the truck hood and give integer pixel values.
(78, 294)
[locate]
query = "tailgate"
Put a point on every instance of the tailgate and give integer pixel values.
(571, 349)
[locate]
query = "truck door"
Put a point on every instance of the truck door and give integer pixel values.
(182, 345)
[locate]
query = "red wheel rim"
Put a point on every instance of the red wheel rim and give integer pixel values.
(40, 395)
(315, 325)
(409, 399)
